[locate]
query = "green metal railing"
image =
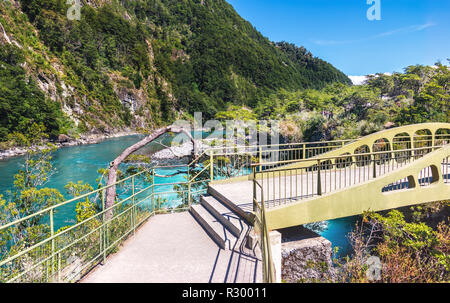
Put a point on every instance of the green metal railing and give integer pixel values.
(286, 185)
(260, 227)
(68, 253)
(237, 161)
(280, 186)
(297, 178)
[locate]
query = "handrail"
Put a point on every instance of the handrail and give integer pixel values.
(281, 144)
(345, 156)
(73, 227)
(204, 169)
(322, 176)
(260, 220)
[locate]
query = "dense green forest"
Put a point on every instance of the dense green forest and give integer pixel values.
(139, 64)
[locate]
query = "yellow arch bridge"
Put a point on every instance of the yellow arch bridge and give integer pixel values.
(266, 187)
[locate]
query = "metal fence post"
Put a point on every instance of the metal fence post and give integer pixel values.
(189, 187)
(153, 190)
(255, 200)
(374, 167)
(52, 233)
(189, 195)
(103, 227)
(211, 163)
(133, 207)
(260, 158)
(59, 267)
(319, 181)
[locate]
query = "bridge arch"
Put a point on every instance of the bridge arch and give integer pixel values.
(343, 162)
(364, 159)
(382, 145)
(442, 136)
(401, 141)
(422, 138)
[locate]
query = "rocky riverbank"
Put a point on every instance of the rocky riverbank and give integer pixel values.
(64, 141)
(176, 155)
(180, 151)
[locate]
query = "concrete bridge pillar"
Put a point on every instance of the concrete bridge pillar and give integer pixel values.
(275, 244)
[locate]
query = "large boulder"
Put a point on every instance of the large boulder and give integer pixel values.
(63, 138)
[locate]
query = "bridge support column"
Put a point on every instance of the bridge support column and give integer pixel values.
(275, 245)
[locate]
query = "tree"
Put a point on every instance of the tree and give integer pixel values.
(113, 168)
(410, 252)
(29, 196)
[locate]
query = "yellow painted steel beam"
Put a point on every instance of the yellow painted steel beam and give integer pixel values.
(369, 140)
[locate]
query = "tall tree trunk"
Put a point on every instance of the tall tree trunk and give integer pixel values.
(112, 175)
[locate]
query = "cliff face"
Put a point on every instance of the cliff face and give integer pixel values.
(142, 63)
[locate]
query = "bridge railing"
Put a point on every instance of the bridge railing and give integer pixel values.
(323, 175)
(237, 161)
(261, 229)
(280, 186)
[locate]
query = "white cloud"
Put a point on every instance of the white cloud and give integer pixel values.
(407, 29)
(358, 80)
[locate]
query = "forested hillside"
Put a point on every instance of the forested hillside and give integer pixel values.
(420, 94)
(138, 64)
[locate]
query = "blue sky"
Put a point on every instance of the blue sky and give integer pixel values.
(410, 31)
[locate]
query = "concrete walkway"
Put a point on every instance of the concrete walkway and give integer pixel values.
(174, 248)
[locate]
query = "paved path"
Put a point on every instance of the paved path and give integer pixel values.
(173, 249)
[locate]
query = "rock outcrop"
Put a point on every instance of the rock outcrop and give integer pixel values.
(306, 256)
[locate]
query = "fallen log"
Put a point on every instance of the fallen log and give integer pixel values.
(113, 168)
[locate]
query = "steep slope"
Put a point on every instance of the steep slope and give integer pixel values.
(142, 63)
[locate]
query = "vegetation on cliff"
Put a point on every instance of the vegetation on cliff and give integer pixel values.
(130, 64)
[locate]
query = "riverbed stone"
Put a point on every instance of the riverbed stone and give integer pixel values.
(62, 138)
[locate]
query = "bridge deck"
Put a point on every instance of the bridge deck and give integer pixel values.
(172, 249)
